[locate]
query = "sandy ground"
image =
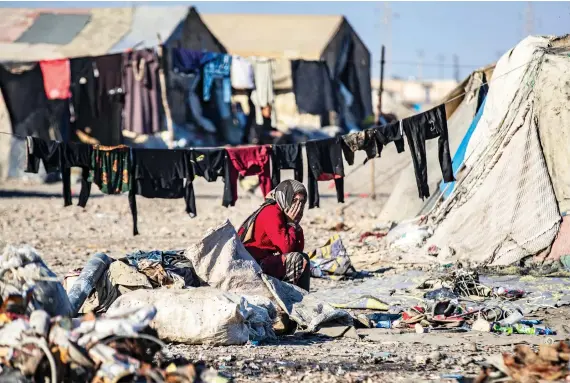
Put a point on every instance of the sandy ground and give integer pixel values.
(66, 237)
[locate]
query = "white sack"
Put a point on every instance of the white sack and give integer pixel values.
(221, 260)
(202, 315)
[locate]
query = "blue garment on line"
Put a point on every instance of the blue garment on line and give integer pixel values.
(217, 65)
(459, 156)
(185, 60)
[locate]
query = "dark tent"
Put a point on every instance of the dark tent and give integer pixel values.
(349, 63)
(193, 34)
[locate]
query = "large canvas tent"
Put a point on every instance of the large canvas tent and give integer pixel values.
(309, 37)
(37, 34)
(508, 203)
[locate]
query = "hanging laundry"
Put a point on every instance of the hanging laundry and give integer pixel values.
(141, 85)
(22, 87)
(110, 168)
(211, 164)
(57, 78)
(286, 157)
(312, 86)
(281, 71)
(365, 140)
(391, 133)
(184, 103)
(217, 66)
(325, 163)
(57, 156)
(418, 129)
(263, 97)
(178, 93)
(185, 60)
(105, 126)
(77, 155)
(242, 73)
(250, 161)
(83, 108)
(161, 173)
(48, 152)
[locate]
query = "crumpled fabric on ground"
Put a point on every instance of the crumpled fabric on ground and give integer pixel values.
(177, 267)
(120, 278)
(332, 258)
(121, 323)
(23, 267)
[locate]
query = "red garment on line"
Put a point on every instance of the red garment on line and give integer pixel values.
(57, 78)
(272, 239)
(250, 161)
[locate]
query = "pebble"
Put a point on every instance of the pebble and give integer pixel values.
(466, 360)
(435, 356)
(420, 359)
(472, 347)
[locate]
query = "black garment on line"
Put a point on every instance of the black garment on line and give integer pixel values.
(324, 157)
(84, 88)
(178, 89)
(365, 140)
(57, 156)
(418, 129)
(160, 173)
(98, 97)
(390, 133)
(312, 86)
(211, 164)
(286, 157)
(26, 100)
(77, 155)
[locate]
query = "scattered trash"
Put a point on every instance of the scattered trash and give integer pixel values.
(367, 234)
(519, 328)
(332, 259)
(481, 325)
(508, 293)
(550, 363)
(98, 350)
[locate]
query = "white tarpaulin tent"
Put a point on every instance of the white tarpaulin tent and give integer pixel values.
(506, 205)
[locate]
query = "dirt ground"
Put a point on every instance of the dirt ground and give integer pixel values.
(32, 213)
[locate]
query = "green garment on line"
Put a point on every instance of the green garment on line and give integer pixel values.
(110, 169)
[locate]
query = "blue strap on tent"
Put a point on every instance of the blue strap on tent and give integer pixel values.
(459, 155)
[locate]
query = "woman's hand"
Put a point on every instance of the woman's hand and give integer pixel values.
(294, 213)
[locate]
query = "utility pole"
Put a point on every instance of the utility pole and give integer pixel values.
(380, 91)
(381, 87)
(456, 67)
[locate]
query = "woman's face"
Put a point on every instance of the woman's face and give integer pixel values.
(300, 199)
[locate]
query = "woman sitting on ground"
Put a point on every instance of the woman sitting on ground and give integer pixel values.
(273, 237)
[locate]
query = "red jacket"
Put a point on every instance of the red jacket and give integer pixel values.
(272, 238)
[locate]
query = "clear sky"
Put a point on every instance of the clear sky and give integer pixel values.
(477, 32)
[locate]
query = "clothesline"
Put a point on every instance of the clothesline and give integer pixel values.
(444, 103)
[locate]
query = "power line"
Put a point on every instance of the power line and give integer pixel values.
(433, 64)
